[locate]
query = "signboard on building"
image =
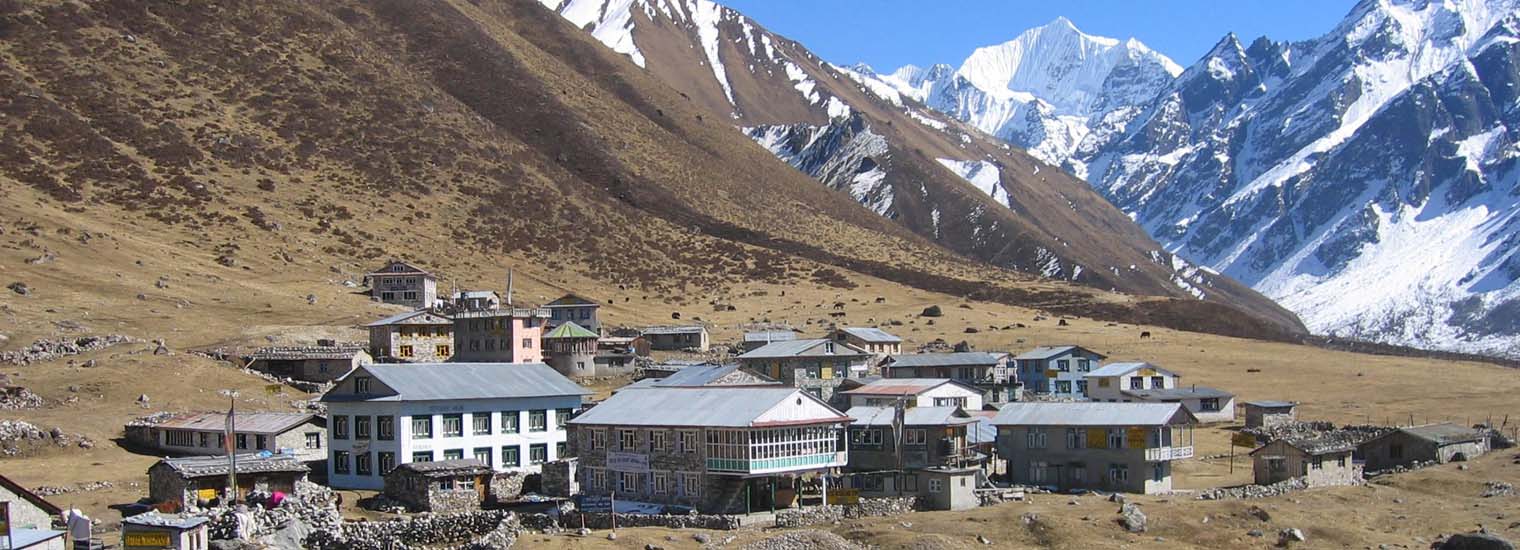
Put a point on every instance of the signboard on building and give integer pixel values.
(844, 496)
(595, 503)
(627, 462)
(146, 540)
(1134, 438)
(1243, 440)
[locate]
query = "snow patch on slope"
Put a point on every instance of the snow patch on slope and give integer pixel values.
(981, 174)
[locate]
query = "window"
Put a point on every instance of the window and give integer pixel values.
(1039, 472)
(1034, 438)
(340, 426)
(387, 462)
(628, 440)
(362, 465)
(510, 420)
(538, 453)
(387, 296)
(527, 343)
(537, 421)
(598, 438)
(1084, 365)
(1078, 472)
(1103, 382)
(628, 482)
(866, 437)
(657, 441)
(1063, 365)
(205, 439)
(561, 450)
(1063, 386)
(313, 440)
(385, 427)
(406, 351)
(936, 485)
(1116, 438)
(913, 437)
(1118, 473)
(442, 351)
(361, 427)
(409, 295)
(453, 425)
(1158, 472)
(949, 401)
(661, 483)
(910, 484)
(1158, 382)
(598, 478)
(511, 456)
(340, 462)
(688, 441)
(1082, 387)
(483, 454)
(261, 442)
(179, 438)
(1396, 451)
(422, 427)
(1209, 404)
(242, 441)
(1076, 438)
(826, 373)
(561, 416)
(691, 485)
(1318, 463)
(422, 456)
(481, 422)
(453, 454)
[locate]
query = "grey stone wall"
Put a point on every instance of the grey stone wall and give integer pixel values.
(445, 530)
(560, 478)
(868, 507)
(507, 487)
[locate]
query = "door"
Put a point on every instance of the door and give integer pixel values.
(480, 487)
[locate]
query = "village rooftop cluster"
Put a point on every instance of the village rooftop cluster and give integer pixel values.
(473, 401)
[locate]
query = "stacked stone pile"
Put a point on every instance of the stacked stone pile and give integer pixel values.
(47, 350)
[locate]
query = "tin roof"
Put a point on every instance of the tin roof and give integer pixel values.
(711, 406)
(342, 351)
(569, 329)
(204, 466)
(683, 329)
(814, 347)
(454, 381)
(1271, 404)
(770, 336)
(905, 386)
(958, 359)
(419, 317)
(152, 518)
(458, 466)
(915, 416)
(702, 375)
(871, 334)
(1092, 414)
(34, 498)
(572, 300)
(1046, 352)
(406, 268)
(1444, 433)
(271, 423)
(1126, 367)
(476, 295)
(1200, 392)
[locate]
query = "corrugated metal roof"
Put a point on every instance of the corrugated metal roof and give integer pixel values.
(419, 317)
(341, 351)
(770, 336)
(904, 386)
(572, 300)
(1046, 352)
(958, 359)
(476, 294)
(173, 521)
(1444, 433)
(813, 347)
(1200, 392)
(569, 329)
(1091, 414)
(871, 334)
(453, 381)
(458, 466)
(703, 375)
(203, 466)
(1126, 367)
(1271, 404)
(711, 406)
(410, 269)
(916, 416)
(685, 329)
(271, 423)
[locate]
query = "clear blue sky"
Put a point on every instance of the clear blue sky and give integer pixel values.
(891, 33)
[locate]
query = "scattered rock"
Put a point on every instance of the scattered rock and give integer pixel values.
(160, 348)
(1498, 489)
(1289, 536)
(1259, 513)
(1473, 541)
(701, 538)
(1256, 533)
(47, 350)
(932, 311)
(311, 299)
(1131, 518)
(20, 288)
(984, 540)
(653, 546)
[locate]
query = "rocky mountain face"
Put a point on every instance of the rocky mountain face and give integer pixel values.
(1365, 179)
(878, 144)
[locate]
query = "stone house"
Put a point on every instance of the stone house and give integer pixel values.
(301, 435)
(635, 345)
(444, 486)
(512, 335)
(932, 437)
(992, 373)
(176, 531)
(717, 449)
(1125, 447)
(191, 480)
(422, 336)
(817, 366)
(1109, 382)
(583, 311)
(678, 338)
(474, 300)
(399, 282)
(1208, 405)
(510, 417)
(754, 339)
(571, 350)
(1058, 371)
(1321, 461)
(1440, 443)
(1269, 414)
(324, 362)
(874, 340)
(31, 518)
(915, 392)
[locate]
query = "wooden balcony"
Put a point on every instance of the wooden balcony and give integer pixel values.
(1162, 454)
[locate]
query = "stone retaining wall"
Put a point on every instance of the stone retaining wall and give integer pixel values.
(868, 507)
(453, 530)
(603, 520)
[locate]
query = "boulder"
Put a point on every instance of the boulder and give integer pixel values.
(1473, 541)
(1131, 518)
(1289, 536)
(933, 311)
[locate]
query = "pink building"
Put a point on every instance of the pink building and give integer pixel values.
(508, 335)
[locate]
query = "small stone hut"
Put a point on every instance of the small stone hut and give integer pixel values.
(444, 486)
(1269, 414)
(193, 480)
(1321, 461)
(1440, 443)
(155, 530)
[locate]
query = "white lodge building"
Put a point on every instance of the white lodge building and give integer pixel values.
(510, 416)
